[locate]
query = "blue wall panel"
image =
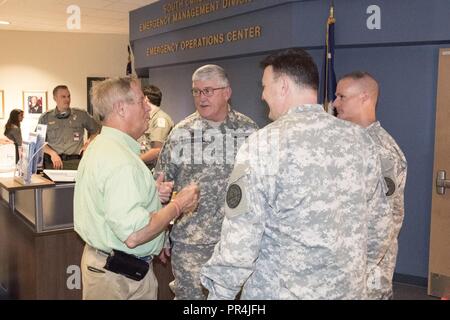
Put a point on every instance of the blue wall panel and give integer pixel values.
(403, 56)
(406, 108)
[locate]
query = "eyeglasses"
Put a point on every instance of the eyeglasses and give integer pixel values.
(208, 91)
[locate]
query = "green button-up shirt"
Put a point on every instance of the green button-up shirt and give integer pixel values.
(114, 194)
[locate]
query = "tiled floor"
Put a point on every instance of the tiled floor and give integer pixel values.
(2, 295)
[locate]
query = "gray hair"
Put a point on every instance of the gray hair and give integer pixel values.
(211, 72)
(106, 93)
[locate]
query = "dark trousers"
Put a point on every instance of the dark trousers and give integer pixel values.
(69, 162)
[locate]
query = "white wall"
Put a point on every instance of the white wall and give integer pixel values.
(42, 60)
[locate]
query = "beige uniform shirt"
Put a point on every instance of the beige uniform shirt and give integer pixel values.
(160, 125)
(66, 136)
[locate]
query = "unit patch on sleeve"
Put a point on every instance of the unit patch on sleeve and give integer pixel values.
(161, 123)
(234, 196)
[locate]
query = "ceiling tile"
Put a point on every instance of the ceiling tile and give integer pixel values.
(97, 16)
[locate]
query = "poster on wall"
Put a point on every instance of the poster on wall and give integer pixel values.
(34, 103)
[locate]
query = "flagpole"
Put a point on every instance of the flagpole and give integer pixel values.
(129, 68)
(327, 53)
(330, 21)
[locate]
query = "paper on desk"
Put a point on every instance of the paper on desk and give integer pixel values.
(61, 175)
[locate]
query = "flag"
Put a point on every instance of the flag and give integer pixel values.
(129, 68)
(328, 84)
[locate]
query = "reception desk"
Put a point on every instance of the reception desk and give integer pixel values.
(40, 253)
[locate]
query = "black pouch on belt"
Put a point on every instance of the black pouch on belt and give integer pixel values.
(126, 265)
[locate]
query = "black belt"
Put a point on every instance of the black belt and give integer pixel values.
(65, 157)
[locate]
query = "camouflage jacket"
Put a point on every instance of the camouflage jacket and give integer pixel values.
(306, 215)
(198, 151)
(394, 170)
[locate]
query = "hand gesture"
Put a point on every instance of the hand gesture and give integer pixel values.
(188, 198)
(164, 188)
(164, 255)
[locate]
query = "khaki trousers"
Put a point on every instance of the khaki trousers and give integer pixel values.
(101, 284)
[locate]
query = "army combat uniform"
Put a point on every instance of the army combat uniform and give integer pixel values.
(203, 152)
(394, 170)
(307, 222)
(65, 135)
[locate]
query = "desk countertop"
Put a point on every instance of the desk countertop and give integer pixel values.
(37, 181)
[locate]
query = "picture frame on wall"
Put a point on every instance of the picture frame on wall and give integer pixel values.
(2, 104)
(35, 102)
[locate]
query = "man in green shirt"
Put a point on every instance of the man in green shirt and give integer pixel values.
(116, 200)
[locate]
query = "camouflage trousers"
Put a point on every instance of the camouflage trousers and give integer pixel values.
(187, 260)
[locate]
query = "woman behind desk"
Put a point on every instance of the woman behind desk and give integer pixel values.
(12, 129)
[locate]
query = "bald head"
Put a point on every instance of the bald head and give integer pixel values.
(365, 82)
(356, 98)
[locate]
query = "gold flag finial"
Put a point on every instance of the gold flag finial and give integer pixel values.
(331, 16)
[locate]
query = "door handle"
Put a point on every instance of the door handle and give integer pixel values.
(441, 182)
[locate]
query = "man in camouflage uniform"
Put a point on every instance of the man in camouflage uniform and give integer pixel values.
(356, 100)
(201, 149)
(305, 213)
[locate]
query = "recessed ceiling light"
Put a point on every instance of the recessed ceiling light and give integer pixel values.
(4, 22)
